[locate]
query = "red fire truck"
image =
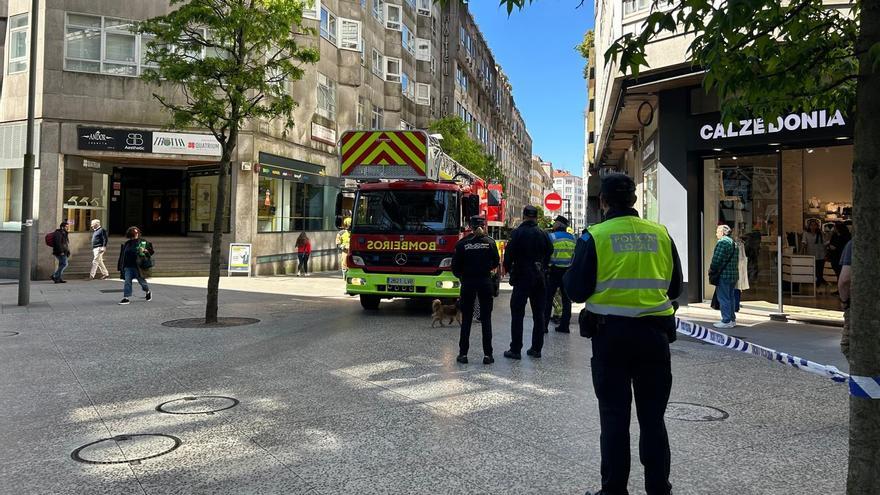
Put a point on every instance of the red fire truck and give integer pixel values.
(411, 206)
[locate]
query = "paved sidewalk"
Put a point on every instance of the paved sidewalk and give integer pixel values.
(335, 400)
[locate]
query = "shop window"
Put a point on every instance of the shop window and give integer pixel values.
(85, 196)
(289, 206)
(10, 198)
(18, 43)
(203, 202)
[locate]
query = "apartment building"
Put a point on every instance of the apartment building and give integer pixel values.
(541, 180)
(694, 173)
(571, 188)
(103, 152)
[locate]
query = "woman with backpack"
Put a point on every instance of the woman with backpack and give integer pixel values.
(303, 251)
(135, 262)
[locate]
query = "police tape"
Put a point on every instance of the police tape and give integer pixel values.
(859, 386)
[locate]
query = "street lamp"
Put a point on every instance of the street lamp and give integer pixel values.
(27, 187)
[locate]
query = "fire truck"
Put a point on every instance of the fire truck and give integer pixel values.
(411, 206)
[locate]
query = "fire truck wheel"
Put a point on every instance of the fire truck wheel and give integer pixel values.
(370, 302)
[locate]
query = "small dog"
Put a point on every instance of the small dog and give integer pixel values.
(442, 311)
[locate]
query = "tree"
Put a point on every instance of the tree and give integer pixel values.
(458, 144)
(766, 58)
(583, 48)
(226, 62)
(544, 222)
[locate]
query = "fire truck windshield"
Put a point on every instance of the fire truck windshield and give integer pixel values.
(433, 212)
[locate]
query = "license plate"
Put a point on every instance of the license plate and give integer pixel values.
(406, 282)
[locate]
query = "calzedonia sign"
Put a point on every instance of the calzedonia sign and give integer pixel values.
(139, 141)
(817, 119)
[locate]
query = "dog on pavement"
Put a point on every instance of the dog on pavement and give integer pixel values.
(442, 311)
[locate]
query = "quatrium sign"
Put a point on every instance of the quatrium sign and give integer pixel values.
(817, 119)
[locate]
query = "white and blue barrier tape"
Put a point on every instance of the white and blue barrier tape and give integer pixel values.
(859, 386)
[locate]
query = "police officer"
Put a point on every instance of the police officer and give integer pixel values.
(526, 259)
(476, 256)
(563, 252)
(628, 272)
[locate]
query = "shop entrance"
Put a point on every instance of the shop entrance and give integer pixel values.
(152, 199)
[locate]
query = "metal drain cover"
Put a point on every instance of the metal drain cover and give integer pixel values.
(8, 333)
(123, 449)
(685, 411)
(204, 404)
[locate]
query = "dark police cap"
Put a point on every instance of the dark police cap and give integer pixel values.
(617, 184)
(530, 211)
(477, 221)
(561, 219)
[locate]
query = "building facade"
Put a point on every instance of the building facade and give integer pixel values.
(766, 180)
(103, 151)
(541, 180)
(571, 188)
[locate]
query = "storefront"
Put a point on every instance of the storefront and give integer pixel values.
(768, 182)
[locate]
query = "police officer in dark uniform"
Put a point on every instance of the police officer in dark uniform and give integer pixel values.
(526, 259)
(476, 256)
(628, 272)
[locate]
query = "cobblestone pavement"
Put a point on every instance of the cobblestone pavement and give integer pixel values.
(322, 397)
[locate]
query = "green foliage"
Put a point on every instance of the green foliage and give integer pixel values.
(458, 144)
(583, 48)
(545, 222)
(229, 60)
(763, 57)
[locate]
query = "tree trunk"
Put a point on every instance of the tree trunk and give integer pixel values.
(864, 359)
(213, 301)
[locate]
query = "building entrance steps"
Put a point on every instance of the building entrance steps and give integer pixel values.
(175, 257)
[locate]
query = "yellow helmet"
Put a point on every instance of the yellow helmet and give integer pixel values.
(346, 222)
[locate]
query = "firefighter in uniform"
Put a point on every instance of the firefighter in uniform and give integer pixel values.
(563, 252)
(628, 272)
(343, 239)
(525, 259)
(475, 258)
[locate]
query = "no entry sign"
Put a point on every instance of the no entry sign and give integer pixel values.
(553, 201)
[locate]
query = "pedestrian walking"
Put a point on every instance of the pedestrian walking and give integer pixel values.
(724, 274)
(303, 251)
(526, 259)
(135, 262)
(475, 258)
(629, 273)
(844, 284)
(61, 251)
(814, 245)
(563, 252)
(99, 246)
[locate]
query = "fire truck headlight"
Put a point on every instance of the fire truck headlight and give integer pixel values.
(447, 284)
(357, 281)
(446, 263)
(357, 261)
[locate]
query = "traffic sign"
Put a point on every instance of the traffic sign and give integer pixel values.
(553, 201)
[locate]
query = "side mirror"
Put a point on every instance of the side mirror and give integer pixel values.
(339, 210)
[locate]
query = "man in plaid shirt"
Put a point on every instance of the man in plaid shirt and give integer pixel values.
(725, 268)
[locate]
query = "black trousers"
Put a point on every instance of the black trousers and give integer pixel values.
(533, 290)
(554, 283)
(471, 290)
(631, 358)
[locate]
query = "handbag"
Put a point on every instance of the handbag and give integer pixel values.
(715, 304)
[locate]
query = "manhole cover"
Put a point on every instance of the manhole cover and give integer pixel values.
(200, 323)
(126, 448)
(685, 411)
(205, 404)
(8, 333)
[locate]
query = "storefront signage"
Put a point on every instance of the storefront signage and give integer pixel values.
(105, 139)
(817, 119)
(649, 150)
(170, 143)
(239, 259)
(323, 134)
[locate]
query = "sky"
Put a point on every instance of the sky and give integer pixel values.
(535, 47)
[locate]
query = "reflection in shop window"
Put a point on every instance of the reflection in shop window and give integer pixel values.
(10, 198)
(203, 202)
(650, 205)
(289, 206)
(85, 196)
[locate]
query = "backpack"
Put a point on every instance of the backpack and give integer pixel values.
(50, 239)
